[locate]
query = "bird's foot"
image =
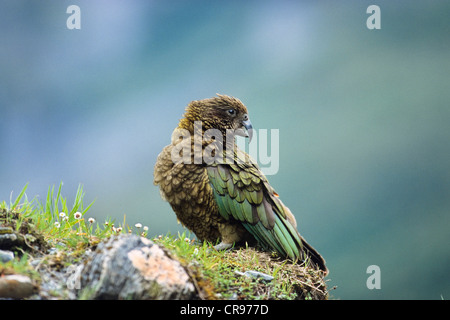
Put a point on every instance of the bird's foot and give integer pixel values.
(223, 246)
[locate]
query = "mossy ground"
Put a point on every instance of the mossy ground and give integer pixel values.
(217, 274)
(220, 274)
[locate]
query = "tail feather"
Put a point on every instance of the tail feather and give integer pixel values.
(305, 249)
(287, 241)
(315, 257)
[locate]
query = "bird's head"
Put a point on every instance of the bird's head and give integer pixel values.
(222, 113)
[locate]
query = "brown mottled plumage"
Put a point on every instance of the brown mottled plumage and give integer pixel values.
(228, 198)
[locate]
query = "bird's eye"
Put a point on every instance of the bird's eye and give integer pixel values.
(231, 112)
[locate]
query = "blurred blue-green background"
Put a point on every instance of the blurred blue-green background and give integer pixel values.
(363, 117)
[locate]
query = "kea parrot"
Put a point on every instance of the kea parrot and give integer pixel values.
(218, 191)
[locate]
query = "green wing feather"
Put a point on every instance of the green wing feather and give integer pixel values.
(243, 193)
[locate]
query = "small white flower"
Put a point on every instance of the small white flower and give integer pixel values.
(62, 214)
(195, 251)
(91, 220)
(119, 229)
(138, 225)
(66, 218)
(145, 228)
(77, 215)
(187, 240)
(57, 225)
(160, 237)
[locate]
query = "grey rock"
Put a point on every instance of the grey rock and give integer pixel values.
(131, 267)
(255, 274)
(6, 255)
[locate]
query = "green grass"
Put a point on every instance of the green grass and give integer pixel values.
(52, 223)
(59, 223)
(217, 272)
(217, 275)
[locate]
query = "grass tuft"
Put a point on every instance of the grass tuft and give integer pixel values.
(217, 274)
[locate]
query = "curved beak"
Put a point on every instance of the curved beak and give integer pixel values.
(249, 128)
(246, 130)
